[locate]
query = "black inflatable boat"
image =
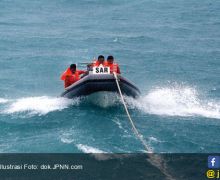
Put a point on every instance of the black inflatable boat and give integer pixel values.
(93, 83)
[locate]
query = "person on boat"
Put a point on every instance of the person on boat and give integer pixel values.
(113, 66)
(71, 75)
(101, 60)
(95, 63)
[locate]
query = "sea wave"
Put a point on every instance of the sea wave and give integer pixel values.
(3, 101)
(95, 152)
(89, 149)
(38, 105)
(170, 101)
(176, 101)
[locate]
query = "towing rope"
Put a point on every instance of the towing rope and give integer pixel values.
(154, 159)
(138, 135)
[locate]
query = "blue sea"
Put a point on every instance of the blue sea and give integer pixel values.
(169, 49)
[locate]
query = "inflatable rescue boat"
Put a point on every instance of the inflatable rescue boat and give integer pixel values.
(100, 81)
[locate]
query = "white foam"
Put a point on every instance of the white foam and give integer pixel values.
(153, 139)
(66, 140)
(96, 153)
(89, 149)
(115, 40)
(38, 105)
(3, 101)
(176, 101)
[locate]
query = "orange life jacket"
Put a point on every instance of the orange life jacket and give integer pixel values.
(113, 67)
(65, 73)
(69, 78)
(96, 63)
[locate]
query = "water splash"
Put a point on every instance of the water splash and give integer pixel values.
(89, 149)
(3, 101)
(170, 101)
(38, 105)
(176, 101)
(96, 153)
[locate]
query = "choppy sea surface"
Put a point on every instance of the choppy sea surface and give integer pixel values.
(169, 49)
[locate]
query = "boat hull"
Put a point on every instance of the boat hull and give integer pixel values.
(93, 83)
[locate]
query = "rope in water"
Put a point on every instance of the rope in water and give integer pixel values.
(155, 160)
(138, 135)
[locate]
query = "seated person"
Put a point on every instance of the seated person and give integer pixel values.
(71, 75)
(113, 66)
(101, 60)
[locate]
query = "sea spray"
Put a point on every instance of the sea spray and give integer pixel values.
(176, 101)
(3, 101)
(39, 105)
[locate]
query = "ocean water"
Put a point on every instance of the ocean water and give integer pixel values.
(170, 49)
